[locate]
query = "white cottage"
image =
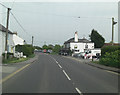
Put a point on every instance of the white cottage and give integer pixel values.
(10, 46)
(17, 40)
(78, 45)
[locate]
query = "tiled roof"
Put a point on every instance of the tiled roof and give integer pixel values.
(79, 40)
(3, 29)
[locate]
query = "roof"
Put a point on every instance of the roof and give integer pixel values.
(3, 29)
(79, 41)
(110, 44)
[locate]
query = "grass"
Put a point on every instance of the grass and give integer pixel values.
(16, 60)
(96, 62)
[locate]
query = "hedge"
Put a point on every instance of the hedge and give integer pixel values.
(111, 59)
(26, 49)
(109, 49)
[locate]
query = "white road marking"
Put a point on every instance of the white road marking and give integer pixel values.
(78, 91)
(59, 65)
(66, 75)
(56, 62)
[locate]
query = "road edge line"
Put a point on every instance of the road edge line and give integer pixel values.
(12, 74)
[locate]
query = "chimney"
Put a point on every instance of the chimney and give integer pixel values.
(76, 37)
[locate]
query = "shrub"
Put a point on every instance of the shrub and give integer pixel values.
(111, 59)
(26, 49)
(109, 49)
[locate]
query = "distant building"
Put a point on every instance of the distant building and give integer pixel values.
(78, 45)
(10, 45)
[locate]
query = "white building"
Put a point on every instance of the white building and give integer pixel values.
(17, 40)
(78, 45)
(10, 46)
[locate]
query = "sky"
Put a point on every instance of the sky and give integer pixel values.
(56, 22)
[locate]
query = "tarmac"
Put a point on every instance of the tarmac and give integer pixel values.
(89, 62)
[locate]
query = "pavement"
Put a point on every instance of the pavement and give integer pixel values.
(88, 61)
(58, 74)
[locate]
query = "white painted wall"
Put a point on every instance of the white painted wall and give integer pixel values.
(17, 40)
(81, 46)
(90, 45)
(2, 43)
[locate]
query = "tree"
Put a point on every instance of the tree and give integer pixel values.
(45, 47)
(50, 47)
(57, 48)
(97, 39)
(37, 47)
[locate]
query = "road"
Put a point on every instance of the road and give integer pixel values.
(57, 74)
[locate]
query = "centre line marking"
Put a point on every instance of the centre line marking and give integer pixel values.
(78, 91)
(56, 62)
(66, 75)
(59, 65)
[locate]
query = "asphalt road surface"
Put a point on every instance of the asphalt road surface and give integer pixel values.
(57, 74)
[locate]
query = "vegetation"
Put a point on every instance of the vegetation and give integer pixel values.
(97, 39)
(57, 48)
(109, 49)
(110, 56)
(16, 60)
(111, 59)
(26, 49)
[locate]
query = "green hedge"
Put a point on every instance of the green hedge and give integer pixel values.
(111, 59)
(26, 49)
(109, 49)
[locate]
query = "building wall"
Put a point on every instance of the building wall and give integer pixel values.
(10, 42)
(0, 43)
(81, 46)
(90, 45)
(119, 22)
(17, 40)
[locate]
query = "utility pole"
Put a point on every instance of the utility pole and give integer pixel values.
(6, 41)
(113, 23)
(32, 40)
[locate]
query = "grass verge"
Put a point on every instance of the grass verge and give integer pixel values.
(16, 60)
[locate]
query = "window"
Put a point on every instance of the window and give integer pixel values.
(86, 46)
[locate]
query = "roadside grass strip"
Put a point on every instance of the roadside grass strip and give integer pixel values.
(14, 73)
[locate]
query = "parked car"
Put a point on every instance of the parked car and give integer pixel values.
(93, 53)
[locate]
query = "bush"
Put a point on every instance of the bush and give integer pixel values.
(109, 49)
(111, 59)
(26, 49)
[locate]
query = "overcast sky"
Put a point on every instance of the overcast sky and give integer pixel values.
(56, 22)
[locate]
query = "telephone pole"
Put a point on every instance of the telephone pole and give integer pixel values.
(113, 23)
(6, 41)
(32, 40)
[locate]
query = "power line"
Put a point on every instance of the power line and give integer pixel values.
(19, 23)
(3, 5)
